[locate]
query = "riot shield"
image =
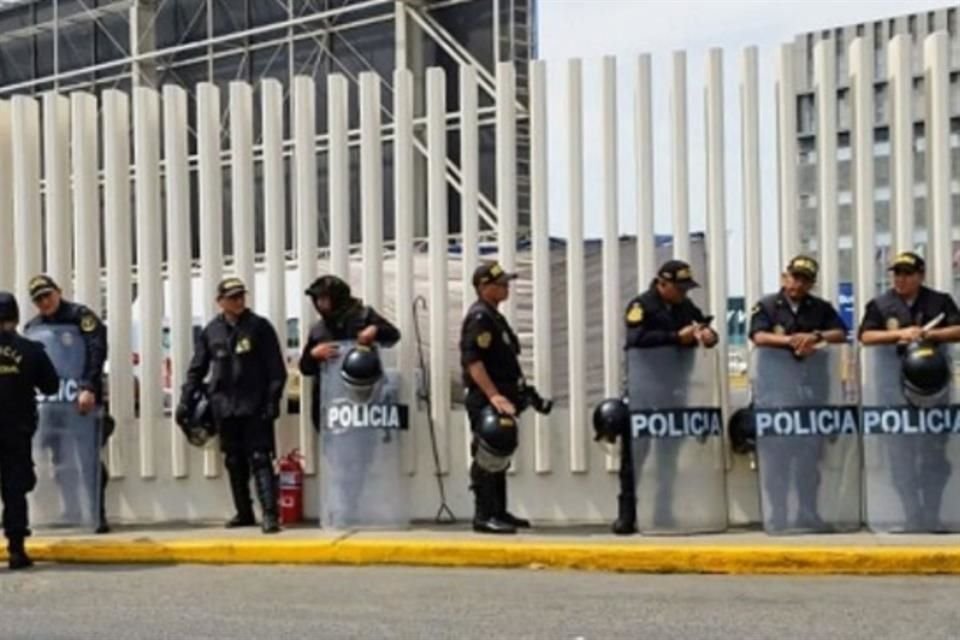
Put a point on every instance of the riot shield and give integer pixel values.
(909, 453)
(807, 442)
(362, 479)
(677, 443)
(66, 447)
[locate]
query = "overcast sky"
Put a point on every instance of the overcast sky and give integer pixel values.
(590, 29)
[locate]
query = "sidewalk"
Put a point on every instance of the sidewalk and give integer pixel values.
(579, 548)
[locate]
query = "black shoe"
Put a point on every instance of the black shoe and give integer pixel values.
(509, 518)
(19, 560)
(623, 527)
(270, 523)
(626, 522)
(103, 527)
(493, 525)
(241, 520)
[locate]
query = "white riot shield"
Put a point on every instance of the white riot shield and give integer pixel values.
(66, 448)
(807, 442)
(362, 479)
(677, 444)
(909, 453)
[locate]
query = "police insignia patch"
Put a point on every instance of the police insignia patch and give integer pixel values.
(635, 314)
(779, 330)
(243, 345)
(484, 340)
(88, 323)
(893, 324)
(756, 309)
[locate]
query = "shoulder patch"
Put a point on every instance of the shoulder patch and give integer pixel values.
(484, 339)
(757, 308)
(635, 313)
(88, 323)
(893, 324)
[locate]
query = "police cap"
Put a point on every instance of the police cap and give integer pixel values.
(907, 262)
(491, 273)
(230, 287)
(804, 266)
(678, 273)
(41, 285)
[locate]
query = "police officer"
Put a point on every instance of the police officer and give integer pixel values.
(920, 471)
(342, 317)
(24, 369)
(661, 316)
(242, 353)
(797, 321)
(489, 352)
(53, 309)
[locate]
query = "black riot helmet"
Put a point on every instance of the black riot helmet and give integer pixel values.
(496, 440)
(361, 370)
(195, 418)
(611, 420)
(742, 430)
(925, 373)
(9, 309)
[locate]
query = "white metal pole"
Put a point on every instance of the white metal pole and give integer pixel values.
(576, 277)
(242, 183)
(177, 183)
(437, 214)
(85, 164)
(540, 231)
(643, 153)
(900, 89)
(861, 84)
(507, 175)
(679, 160)
(787, 153)
(939, 223)
(59, 218)
(146, 126)
(8, 267)
(469, 197)
(371, 188)
(750, 153)
(825, 80)
(305, 167)
(612, 319)
(26, 192)
(116, 173)
(339, 178)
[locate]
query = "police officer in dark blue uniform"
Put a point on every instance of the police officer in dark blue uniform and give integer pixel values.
(661, 316)
(53, 309)
(489, 355)
(795, 320)
(342, 317)
(897, 316)
(242, 353)
(25, 368)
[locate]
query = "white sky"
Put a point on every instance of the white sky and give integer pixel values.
(590, 29)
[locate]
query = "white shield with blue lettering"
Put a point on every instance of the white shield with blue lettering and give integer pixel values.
(909, 453)
(676, 425)
(807, 441)
(362, 479)
(66, 448)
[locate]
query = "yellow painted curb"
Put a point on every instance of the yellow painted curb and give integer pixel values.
(631, 558)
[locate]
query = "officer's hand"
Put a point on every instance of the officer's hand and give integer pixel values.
(806, 344)
(325, 351)
(707, 336)
(367, 336)
(86, 402)
(910, 334)
(502, 405)
(687, 335)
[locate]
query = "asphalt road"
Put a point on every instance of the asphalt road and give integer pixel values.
(196, 602)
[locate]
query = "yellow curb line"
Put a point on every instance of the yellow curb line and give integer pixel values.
(465, 553)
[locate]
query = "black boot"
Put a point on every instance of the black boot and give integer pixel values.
(500, 482)
(484, 489)
(238, 469)
(102, 525)
(266, 483)
(626, 522)
(17, 557)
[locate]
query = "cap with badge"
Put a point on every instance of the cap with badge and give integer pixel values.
(230, 287)
(907, 262)
(678, 273)
(491, 273)
(42, 285)
(804, 266)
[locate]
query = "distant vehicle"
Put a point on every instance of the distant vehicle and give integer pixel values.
(736, 364)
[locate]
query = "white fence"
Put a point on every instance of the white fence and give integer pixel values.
(66, 148)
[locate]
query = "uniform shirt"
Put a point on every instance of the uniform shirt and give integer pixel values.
(94, 334)
(486, 337)
(24, 368)
(773, 314)
(345, 326)
(888, 311)
(651, 322)
(247, 367)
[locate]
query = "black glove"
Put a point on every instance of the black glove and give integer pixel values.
(182, 414)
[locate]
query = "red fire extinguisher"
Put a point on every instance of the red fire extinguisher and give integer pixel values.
(291, 487)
